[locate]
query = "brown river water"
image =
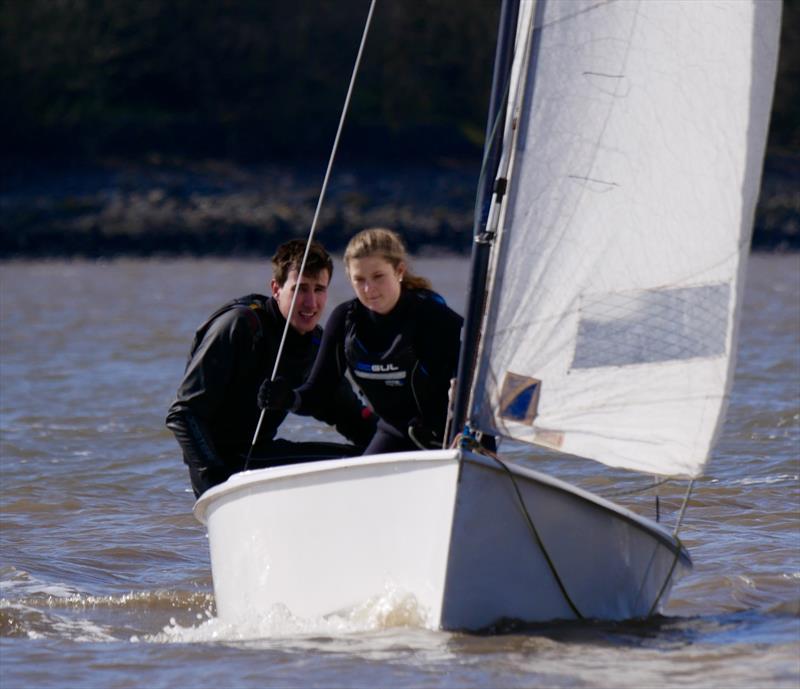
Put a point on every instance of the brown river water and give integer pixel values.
(104, 573)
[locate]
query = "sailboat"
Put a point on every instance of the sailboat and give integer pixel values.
(623, 159)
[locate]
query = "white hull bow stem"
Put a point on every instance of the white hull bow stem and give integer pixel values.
(475, 542)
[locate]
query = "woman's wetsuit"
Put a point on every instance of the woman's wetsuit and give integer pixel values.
(402, 362)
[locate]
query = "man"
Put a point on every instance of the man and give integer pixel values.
(215, 414)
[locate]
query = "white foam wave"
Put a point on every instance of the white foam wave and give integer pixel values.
(22, 583)
(36, 624)
(18, 587)
(780, 478)
(392, 610)
(759, 480)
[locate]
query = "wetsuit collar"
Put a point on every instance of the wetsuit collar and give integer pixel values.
(395, 316)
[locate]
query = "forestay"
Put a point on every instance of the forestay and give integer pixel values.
(617, 274)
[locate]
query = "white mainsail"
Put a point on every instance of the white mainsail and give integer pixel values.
(617, 274)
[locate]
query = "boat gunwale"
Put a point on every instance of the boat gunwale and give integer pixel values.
(257, 476)
(659, 531)
(267, 474)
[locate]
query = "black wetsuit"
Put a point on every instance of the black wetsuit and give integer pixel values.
(402, 362)
(215, 413)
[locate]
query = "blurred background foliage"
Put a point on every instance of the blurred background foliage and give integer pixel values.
(164, 84)
(242, 79)
(254, 79)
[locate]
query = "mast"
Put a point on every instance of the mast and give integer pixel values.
(481, 247)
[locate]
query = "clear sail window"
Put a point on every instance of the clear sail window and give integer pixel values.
(652, 325)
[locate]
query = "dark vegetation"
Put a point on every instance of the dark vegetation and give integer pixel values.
(176, 126)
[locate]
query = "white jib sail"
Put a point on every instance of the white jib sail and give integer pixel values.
(617, 275)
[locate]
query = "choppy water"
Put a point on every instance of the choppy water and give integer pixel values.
(104, 573)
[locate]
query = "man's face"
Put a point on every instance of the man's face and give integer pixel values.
(312, 294)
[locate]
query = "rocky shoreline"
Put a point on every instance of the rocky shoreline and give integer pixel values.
(173, 208)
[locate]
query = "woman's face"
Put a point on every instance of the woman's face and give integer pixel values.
(376, 282)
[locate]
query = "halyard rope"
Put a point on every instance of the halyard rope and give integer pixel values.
(531, 526)
(539, 541)
(474, 447)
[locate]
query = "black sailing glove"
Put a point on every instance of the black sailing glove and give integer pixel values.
(277, 395)
(423, 437)
(359, 427)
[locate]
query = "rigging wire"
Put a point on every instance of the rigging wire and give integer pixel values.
(683, 507)
(668, 578)
(312, 231)
(679, 544)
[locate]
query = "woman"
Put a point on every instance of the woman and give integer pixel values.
(397, 340)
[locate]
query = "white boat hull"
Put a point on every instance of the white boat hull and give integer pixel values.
(447, 527)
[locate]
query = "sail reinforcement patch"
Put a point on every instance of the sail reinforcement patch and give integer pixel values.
(519, 398)
(649, 326)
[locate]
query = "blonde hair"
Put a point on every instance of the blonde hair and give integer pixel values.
(388, 245)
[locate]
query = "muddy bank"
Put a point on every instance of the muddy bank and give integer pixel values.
(163, 208)
(167, 208)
